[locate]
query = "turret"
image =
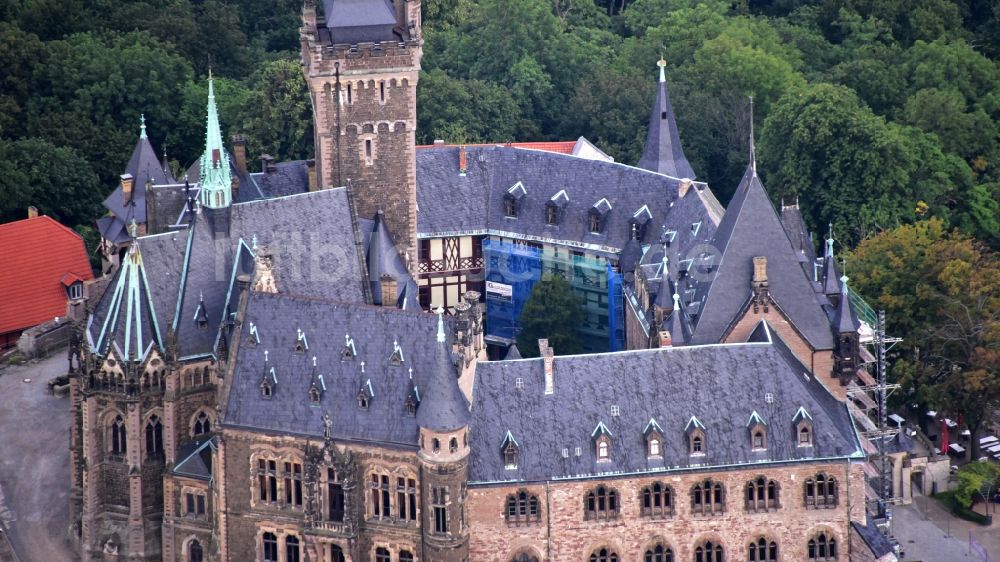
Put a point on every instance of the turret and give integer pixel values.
(831, 275)
(443, 417)
(845, 328)
(663, 152)
(215, 181)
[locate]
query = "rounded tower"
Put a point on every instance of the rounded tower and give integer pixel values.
(443, 417)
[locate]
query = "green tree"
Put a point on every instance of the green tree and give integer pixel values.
(610, 108)
(940, 292)
(977, 481)
(552, 311)
(186, 141)
(277, 114)
(56, 180)
(464, 111)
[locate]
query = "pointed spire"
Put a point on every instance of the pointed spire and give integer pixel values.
(440, 332)
(216, 180)
(142, 126)
(831, 275)
(663, 153)
(443, 406)
(753, 149)
(829, 242)
(845, 320)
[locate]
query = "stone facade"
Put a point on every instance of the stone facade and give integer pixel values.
(364, 100)
(563, 532)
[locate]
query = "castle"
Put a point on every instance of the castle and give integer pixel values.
(259, 377)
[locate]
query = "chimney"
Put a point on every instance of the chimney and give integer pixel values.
(438, 142)
(760, 270)
(463, 161)
(548, 358)
(240, 152)
(32, 212)
(127, 180)
(665, 339)
(761, 293)
(266, 163)
(313, 181)
(388, 286)
(683, 187)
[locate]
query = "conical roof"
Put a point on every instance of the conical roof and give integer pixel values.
(663, 152)
(216, 180)
(443, 407)
(129, 323)
(845, 320)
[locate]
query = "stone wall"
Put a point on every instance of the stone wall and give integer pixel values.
(562, 533)
(44, 338)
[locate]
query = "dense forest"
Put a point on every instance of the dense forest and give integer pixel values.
(880, 117)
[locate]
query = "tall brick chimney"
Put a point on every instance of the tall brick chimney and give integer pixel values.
(32, 212)
(127, 180)
(313, 181)
(266, 163)
(240, 152)
(548, 358)
(463, 160)
(761, 293)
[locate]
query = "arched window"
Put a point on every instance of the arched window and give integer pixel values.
(452, 445)
(657, 500)
(336, 553)
(822, 547)
(270, 542)
(762, 551)
(202, 424)
(510, 455)
(194, 551)
(762, 494)
(603, 450)
(522, 507)
(119, 444)
(758, 440)
(405, 556)
(154, 437)
(658, 553)
(382, 555)
(292, 552)
(707, 498)
(697, 445)
(601, 503)
(654, 447)
(524, 557)
(821, 491)
(708, 551)
(604, 555)
(334, 496)
(805, 435)
(435, 445)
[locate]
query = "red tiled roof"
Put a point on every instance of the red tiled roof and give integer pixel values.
(35, 255)
(562, 147)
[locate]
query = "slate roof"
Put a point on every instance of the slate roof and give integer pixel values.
(144, 166)
(443, 407)
(845, 320)
(663, 152)
(452, 204)
(878, 543)
(196, 460)
(751, 228)
(381, 258)
(287, 178)
(311, 240)
(802, 242)
(359, 21)
(36, 253)
(325, 323)
(720, 384)
(128, 323)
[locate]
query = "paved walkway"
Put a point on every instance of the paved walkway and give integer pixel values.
(34, 461)
(928, 533)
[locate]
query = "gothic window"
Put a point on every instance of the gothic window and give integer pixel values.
(435, 445)
(763, 551)
(522, 507)
(653, 447)
(604, 449)
(696, 441)
(334, 496)
(270, 542)
(406, 498)
(821, 491)
(452, 445)
(195, 553)
(381, 504)
(439, 499)
(265, 389)
(759, 440)
(293, 484)
(708, 552)
(510, 456)
(524, 557)
(119, 444)
(601, 503)
(604, 555)
(822, 547)
(368, 152)
(657, 500)
(405, 556)
(267, 480)
(805, 435)
(382, 555)
(658, 553)
(337, 553)
(314, 395)
(707, 498)
(202, 424)
(154, 437)
(292, 551)
(194, 504)
(762, 494)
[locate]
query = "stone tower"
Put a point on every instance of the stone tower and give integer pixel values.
(443, 417)
(846, 325)
(361, 60)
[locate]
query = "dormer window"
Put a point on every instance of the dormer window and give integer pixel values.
(551, 216)
(602, 442)
(758, 432)
(301, 343)
(349, 352)
(265, 389)
(597, 216)
(695, 431)
(411, 406)
(75, 290)
(654, 440)
(314, 395)
(397, 354)
(365, 395)
(513, 198)
(268, 380)
(253, 338)
(638, 223)
(555, 206)
(509, 448)
(802, 422)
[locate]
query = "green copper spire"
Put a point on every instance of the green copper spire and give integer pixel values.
(142, 126)
(216, 181)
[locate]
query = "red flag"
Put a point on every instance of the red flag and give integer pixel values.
(944, 437)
